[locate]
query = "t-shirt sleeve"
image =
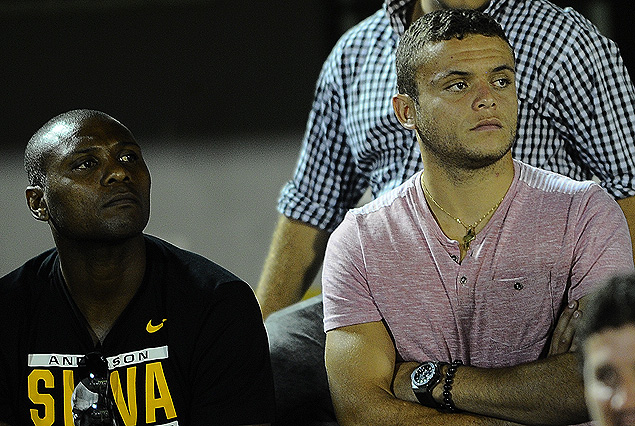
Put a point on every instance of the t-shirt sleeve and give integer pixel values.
(603, 245)
(233, 383)
(346, 294)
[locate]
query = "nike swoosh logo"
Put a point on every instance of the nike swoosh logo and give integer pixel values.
(154, 328)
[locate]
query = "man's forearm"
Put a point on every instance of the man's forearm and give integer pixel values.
(389, 411)
(295, 255)
(548, 391)
(360, 364)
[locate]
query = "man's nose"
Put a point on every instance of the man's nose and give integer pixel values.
(624, 398)
(484, 96)
(115, 172)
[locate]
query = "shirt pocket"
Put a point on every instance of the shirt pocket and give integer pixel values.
(518, 316)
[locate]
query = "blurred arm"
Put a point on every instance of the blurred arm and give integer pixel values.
(295, 256)
(628, 207)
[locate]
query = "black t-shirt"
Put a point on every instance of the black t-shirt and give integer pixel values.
(189, 349)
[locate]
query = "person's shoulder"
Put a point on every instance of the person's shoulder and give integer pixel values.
(378, 22)
(21, 288)
(389, 200)
(29, 274)
(372, 40)
(557, 18)
(369, 31)
(551, 182)
(185, 269)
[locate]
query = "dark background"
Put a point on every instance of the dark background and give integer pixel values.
(216, 93)
(187, 67)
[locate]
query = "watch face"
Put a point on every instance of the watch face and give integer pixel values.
(423, 374)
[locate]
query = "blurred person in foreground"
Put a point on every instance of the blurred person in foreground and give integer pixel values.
(607, 349)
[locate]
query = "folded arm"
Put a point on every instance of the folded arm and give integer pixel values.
(360, 362)
(547, 391)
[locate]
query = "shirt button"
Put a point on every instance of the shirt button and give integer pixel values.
(454, 257)
(463, 280)
(518, 286)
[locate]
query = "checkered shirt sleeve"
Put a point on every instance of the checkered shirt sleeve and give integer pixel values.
(351, 132)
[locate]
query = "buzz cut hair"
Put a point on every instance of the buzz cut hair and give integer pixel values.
(439, 25)
(36, 153)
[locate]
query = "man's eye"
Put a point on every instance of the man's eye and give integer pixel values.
(501, 83)
(608, 376)
(86, 164)
(128, 158)
(457, 87)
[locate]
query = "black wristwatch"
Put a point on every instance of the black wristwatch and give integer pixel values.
(423, 379)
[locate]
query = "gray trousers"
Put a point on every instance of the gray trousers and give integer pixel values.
(296, 341)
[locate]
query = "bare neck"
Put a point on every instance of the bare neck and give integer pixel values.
(102, 278)
(421, 7)
(470, 196)
(416, 12)
(469, 193)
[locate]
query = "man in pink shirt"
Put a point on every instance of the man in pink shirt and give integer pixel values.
(440, 296)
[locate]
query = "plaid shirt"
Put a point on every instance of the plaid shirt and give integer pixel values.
(576, 109)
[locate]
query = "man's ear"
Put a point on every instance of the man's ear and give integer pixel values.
(37, 204)
(405, 111)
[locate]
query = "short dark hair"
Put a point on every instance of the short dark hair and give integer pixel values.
(433, 27)
(38, 147)
(610, 306)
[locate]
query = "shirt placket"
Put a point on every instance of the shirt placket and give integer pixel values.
(465, 285)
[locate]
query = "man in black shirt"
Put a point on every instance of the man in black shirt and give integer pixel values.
(113, 326)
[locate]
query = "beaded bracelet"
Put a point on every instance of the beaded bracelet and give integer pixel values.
(448, 404)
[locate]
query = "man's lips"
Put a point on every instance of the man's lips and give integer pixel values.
(489, 124)
(122, 199)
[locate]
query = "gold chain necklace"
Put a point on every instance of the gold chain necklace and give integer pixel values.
(470, 230)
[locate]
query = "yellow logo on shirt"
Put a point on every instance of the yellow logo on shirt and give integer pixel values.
(154, 328)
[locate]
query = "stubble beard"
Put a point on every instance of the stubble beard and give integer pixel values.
(447, 150)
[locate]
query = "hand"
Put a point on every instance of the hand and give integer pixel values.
(401, 383)
(562, 339)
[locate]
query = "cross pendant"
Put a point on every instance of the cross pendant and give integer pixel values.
(468, 238)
